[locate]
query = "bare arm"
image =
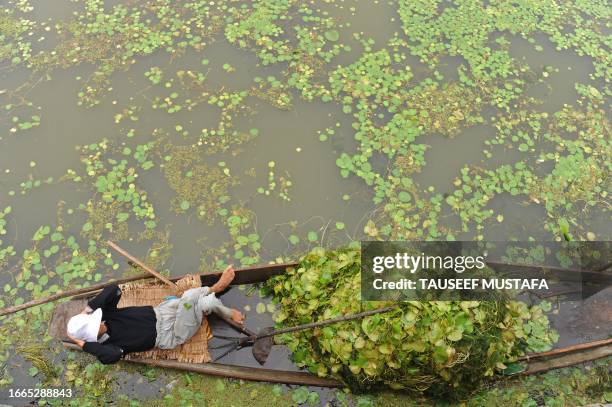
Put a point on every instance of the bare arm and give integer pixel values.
(213, 304)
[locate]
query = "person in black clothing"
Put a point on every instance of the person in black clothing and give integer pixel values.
(109, 333)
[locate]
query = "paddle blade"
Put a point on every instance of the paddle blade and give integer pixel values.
(263, 346)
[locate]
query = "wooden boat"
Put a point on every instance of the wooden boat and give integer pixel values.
(64, 311)
(535, 363)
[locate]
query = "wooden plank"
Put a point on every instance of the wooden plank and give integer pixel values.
(249, 275)
(568, 349)
(237, 372)
(568, 360)
(246, 373)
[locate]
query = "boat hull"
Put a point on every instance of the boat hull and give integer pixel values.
(64, 311)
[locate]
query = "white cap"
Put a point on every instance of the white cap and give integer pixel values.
(85, 326)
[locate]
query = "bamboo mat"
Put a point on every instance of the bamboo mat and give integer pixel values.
(138, 294)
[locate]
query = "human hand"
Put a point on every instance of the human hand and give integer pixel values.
(80, 343)
(237, 316)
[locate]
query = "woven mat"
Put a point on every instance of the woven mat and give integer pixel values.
(194, 350)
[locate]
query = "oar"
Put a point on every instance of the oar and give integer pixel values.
(143, 266)
(262, 342)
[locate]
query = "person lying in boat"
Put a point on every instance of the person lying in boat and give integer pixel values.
(109, 333)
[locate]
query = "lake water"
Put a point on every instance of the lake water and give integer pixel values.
(246, 172)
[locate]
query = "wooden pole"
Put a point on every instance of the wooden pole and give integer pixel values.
(71, 293)
(242, 329)
(326, 322)
(138, 262)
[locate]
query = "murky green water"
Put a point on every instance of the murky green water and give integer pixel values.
(253, 131)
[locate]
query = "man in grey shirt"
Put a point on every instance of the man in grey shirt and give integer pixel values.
(109, 333)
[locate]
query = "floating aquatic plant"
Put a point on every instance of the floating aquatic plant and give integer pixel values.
(449, 67)
(444, 348)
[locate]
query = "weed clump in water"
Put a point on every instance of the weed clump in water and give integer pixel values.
(441, 348)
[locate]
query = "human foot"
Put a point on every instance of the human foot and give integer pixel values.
(227, 276)
(225, 280)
